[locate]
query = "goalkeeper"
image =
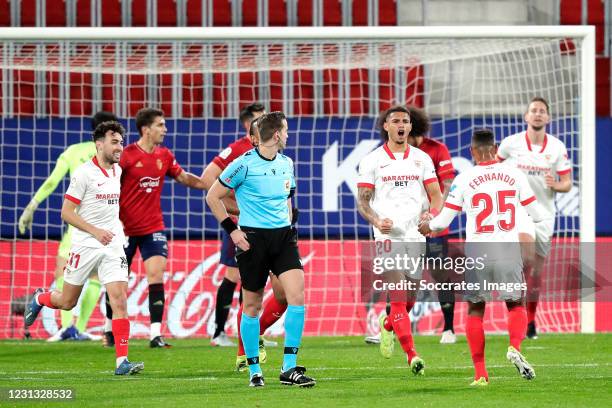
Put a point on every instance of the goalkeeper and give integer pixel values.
(68, 161)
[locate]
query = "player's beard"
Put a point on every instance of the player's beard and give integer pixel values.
(111, 158)
(538, 128)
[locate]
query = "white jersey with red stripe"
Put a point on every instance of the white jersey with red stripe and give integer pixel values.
(490, 194)
(399, 181)
(96, 192)
(537, 162)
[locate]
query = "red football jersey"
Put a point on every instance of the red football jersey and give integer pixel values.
(442, 163)
(142, 181)
(233, 151)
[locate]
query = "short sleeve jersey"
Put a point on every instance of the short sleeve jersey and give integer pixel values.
(399, 181)
(490, 193)
(141, 186)
(96, 192)
(536, 162)
(262, 187)
(232, 152)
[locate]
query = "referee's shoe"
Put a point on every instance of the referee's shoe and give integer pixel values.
(296, 376)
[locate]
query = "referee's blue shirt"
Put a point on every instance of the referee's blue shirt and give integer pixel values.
(262, 187)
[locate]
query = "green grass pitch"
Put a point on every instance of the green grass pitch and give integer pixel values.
(572, 370)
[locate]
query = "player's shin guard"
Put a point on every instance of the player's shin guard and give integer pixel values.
(294, 327)
(517, 326)
(474, 332)
(400, 321)
(121, 332)
(225, 295)
(272, 311)
(249, 331)
(88, 303)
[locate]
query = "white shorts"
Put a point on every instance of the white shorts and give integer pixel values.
(542, 232)
(110, 262)
(507, 272)
(409, 251)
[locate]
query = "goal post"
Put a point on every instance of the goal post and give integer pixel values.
(332, 82)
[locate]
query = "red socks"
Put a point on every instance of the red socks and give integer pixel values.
(44, 299)
(241, 351)
(272, 311)
(476, 339)
(400, 322)
(533, 293)
(517, 326)
(121, 332)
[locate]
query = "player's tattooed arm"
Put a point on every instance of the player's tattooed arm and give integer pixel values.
(365, 195)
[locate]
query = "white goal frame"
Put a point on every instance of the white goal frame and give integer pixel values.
(586, 127)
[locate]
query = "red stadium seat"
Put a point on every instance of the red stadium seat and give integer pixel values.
(304, 13)
(359, 91)
(332, 13)
(249, 13)
(602, 92)
(194, 13)
(387, 12)
(55, 13)
(360, 12)
(303, 92)
(28, 13)
(277, 13)
(83, 13)
(23, 92)
(166, 13)
(111, 13)
(5, 13)
(139, 13)
(223, 13)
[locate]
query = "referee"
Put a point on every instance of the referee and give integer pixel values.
(263, 182)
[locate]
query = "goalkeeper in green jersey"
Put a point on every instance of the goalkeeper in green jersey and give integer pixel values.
(67, 162)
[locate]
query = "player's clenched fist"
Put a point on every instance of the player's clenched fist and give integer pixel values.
(385, 225)
(104, 236)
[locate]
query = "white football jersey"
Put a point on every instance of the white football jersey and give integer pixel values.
(490, 194)
(398, 180)
(536, 162)
(96, 192)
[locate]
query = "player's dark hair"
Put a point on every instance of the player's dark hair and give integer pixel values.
(420, 121)
(102, 116)
(248, 112)
(385, 115)
(100, 131)
(253, 127)
(539, 99)
(269, 124)
(146, 117)
(482, 138)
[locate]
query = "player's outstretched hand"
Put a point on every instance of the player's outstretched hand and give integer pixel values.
(25, 221)
(239, 238)
(385, 225)
(104, 236)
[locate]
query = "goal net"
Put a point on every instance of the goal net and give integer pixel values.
(332, 84)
